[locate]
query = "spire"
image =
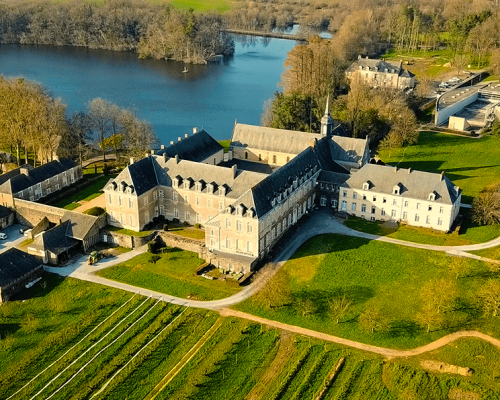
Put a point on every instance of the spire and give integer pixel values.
(327, 109)
(327, 121)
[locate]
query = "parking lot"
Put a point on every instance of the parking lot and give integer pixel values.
(14, 238)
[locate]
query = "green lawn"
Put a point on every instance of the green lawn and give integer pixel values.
(173, 274)
(199, 5)
(127, 232)
(90, 192)
(472, 164)
(189, 233)
(469, 233)
(493, 253)
(374, 274)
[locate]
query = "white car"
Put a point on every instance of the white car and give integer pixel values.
(3, 236)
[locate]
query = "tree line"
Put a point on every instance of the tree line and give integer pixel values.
(33, 121)
(158, 31)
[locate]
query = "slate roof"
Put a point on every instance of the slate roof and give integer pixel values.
(348, 149)
(79, 224)
(413, 184)
(333, 177)
(375, 65)
(197, 147)
(54, 240)
(18, 181)
(261, 195)
(16, 171)
(270, 139)
(140, 175)
(14, 264)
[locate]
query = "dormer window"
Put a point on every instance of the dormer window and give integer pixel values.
(273, 202)
(176, 182)
(240, 209)
(432, 196)
(396, 190)
(198, 186)
(210, 188)
(366, 186)
(222, 190)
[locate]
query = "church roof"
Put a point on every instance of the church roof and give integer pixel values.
(197, 147)
(348, 149)
(413, 184)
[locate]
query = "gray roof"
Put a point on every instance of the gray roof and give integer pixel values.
(270, 139)
(333, 177)
(197, 147)
(14, 264)
(375, 65)
(54, 240)
(16, 181)
(140, 175)
(348, 149)
(250, 166)
(79, 224)
(413, 184)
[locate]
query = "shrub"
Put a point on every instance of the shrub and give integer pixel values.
(197, 226)
(152, 247)
(186, 223)
(165, 227)
(105, 169)
(154, 258)
(156, 220)
(95, 211)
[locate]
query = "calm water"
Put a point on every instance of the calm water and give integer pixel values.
(210, 96)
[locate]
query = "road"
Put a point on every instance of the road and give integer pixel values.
(14, 238)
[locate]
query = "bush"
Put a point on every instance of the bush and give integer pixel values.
(185, 223)
(95, 211)
(165, 227)
(105, 169)
(197, 226)
(152, 248)
(154, 258)
(156, 220)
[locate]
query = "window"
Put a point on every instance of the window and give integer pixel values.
(174, 196)
(260, 157)
(374, 198)
(198, 218)
(246, 155)
(344, 194)
(221, 205)
(334, 203)
(162, 194)
(354, 195)
(363, 207)
(405, 216)
(176, 213)
(384, 200)
(441, 210)
(238, 226)
(110, 199)
(57, 186)
(156, 211)
(238, 244)
(344, 205)
(382, 212)
(209, 218)
(418, 206)
(393, 213)
(287, 159)
(185, 199)
(187, 215)
(145, 201)
(212, 242)
(120, 201)
(373, 210)
(228, 243)
(366, 186)
(406, 204)
(209, 203)
(323, 201)
(162, 210)
(155, 195)
(197, 201)
(249, 247)
(440, 221)
(275, 161)
(353, 206)
(394, 202)
(417, 218)
(428, 219)
(429, 208)
(131, 220)
(249, 227)
(364, 197)
(146, 216)
(130, 203)
(228, 223)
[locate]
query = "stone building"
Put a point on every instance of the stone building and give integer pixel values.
(382, 193)
(31, 184)
(18, 269)
(382, 73)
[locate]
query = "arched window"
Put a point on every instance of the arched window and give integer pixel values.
(246, 155)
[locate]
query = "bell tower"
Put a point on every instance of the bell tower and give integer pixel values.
(327, 121)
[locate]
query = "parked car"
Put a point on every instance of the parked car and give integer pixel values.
(3, 236)
(22, 230)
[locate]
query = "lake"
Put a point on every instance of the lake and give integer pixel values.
(209, 96)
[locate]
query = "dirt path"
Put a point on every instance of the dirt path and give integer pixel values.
(99, 201)
(389, 353)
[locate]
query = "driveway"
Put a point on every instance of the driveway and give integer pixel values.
(14, 238)
(99, 201)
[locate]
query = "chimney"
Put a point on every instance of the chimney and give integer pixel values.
(162, 147)
(359, 56)
(442, 176)
(186, 135)
(171, 142)
(367, 57)
(195, 130)
(24, 170)
(177, 159)
(56, 157)
(313, 143)
(164, 157)
(409, 171)
(179, 138)
(396, 169)
(131, 161)
(234, 170)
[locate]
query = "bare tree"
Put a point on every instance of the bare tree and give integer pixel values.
(338, 307)
(489, 297)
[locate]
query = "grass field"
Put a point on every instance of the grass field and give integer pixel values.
(472, 164)
(173, 274)
(90, 192)
(493, 253)
(189, 233)
(127, 232)
(376, 275)
(93, 341)
(470, 233)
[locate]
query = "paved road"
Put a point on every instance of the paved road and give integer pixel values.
(389, 353)
(14, 238)
(109, 157)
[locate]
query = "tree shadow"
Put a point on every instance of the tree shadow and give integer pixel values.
(8, 329)
(406, 328)
(40, 289)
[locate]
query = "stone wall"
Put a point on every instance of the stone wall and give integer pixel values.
(131, 242)
(30, 213)
(184, 243)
